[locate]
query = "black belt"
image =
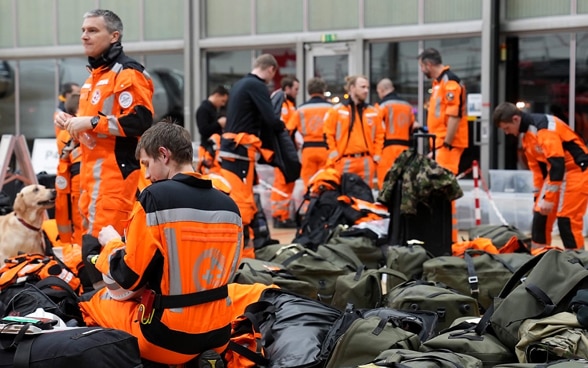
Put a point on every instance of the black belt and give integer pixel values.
(314, 144)
(186, 300)
(396, 142)
(361, 154)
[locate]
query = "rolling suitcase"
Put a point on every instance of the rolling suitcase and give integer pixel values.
(432, 223)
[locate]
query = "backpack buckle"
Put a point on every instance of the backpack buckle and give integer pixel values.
(474, 286)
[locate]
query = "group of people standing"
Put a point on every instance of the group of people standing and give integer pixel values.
(161, 241)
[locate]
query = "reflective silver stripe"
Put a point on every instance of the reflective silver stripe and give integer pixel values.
(390, 115)
(192, 215)
(395, 102)
(64, 228)
(374, 126)
(113, 125)
(173, 258)
(521, 137)
(146, 74)
(438, 107)
(346, 165)
(532, 128)
(302, 123)
(96, 175)
(237, 256)
(333, 154)
(107, 105)
(550, 123)
(366, 169)
(552, 188)
(226, 154)
(560, 203)
(116, 68)
(338, 131)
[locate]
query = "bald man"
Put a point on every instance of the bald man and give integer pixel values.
(399, 122)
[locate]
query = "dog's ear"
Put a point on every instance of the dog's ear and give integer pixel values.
(19, 205)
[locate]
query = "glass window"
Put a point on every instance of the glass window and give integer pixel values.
(543, 73)
(582, 6)
(517, 9)
(332, 14)
(397, 61)
(167, 72)
(7, 103)
(38, 98)
(70, 16)
(380, 13)
(221, 22)
(226, 67)
(452, 10)
(278, 16)
(581, 105)
(129, 13)
(286, 59)
(35, 28)
(164, 20)
(7, 24)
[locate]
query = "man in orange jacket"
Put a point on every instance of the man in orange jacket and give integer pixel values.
(446, 116)
(115, 109)
(181, 248)
(354, 132)
(308, 120)
(399, 123)
(558, 158)
(285, 100)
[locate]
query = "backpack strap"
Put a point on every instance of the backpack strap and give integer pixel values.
(22, 355)
(252, 356)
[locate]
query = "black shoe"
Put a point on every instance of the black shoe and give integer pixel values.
(210, 359)
(285, 224)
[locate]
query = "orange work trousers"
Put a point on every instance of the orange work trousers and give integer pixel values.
(389, 155)
(449, 159)
(363, 166)
(313, 159)
(569, 210)
(101, 310)
(281, 200)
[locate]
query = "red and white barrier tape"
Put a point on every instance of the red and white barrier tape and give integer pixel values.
(477, 209)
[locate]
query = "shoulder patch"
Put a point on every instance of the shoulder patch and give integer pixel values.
(125, 99)
(449, 96)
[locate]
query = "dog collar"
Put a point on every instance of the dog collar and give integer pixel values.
(27, 225)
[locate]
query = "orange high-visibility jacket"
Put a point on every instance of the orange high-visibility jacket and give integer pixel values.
(448, 99)
(183, 241)
(120, 93)
(309, 120)
(548, 140)
(67, 187)
(365, 137)
(398, 119)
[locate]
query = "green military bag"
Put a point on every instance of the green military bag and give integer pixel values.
(432, 359)
(252, 271)
(499, 234)
(552, 338)
(543, 286)
(572, 363)
(408, 259)
(364, 246)
(365, 288)
(421, 295)
(479, 274)
(366, 338)
(461, 338)
(320, 268)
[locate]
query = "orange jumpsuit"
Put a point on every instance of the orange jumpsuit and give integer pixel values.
(183, 242)
(121, 94)
(308, 120)
(448, 99)
(355, 137)
(67, 186)
(280, 203)
(398, 119)
(558, 159)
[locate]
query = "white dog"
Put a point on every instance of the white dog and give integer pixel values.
(20, 230)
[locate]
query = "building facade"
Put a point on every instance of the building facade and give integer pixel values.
(533, 52)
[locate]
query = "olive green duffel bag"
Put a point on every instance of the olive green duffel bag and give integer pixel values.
(432, 359)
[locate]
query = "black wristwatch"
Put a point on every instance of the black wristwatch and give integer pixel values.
(447, 145)
(95, 121)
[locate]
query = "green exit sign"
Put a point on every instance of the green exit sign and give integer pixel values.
(328, 37)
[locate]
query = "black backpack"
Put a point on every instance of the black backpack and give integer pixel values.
(325, 212)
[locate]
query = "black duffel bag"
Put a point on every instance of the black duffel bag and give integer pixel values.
(69, 347)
